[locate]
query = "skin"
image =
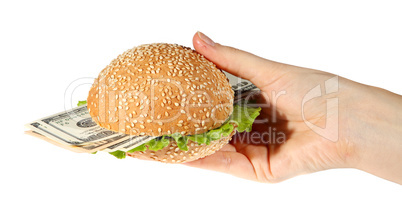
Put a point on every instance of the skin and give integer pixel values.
(366, 133)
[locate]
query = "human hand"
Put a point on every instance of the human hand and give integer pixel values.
(308, 129)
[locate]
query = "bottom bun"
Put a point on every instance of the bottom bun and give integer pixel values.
(172, 153)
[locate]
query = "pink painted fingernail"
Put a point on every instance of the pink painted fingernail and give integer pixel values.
(205, 38)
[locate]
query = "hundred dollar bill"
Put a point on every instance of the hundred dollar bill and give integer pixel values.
(129, 143)
(242, 88)
(40, 136)
(124, 144)
(76, 124)
(76, 130)
(79, 130)
(44, 130)
(62, 141)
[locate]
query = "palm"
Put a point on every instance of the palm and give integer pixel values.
(279, 146)
(272, 152)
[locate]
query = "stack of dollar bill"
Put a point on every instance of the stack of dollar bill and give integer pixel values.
(74, 129)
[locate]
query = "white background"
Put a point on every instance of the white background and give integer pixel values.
(45, 46)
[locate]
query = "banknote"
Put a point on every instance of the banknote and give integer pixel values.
(74, 129)
(45, 130)
(129, 143)
(242, 88)
(124, 143)
(64, 142)
(50, 140)
(77, 124)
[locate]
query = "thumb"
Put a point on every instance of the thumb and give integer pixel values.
(257, 70)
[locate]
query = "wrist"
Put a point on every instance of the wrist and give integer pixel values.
(375, 131)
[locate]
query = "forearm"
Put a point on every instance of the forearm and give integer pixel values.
(378, 133)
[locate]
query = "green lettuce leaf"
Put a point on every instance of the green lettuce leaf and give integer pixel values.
(81, 103)
(118, 154)
(181, 141)
(158, 144)
(244, 117)
(138, 148)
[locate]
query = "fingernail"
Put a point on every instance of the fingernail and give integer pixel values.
(205, 38)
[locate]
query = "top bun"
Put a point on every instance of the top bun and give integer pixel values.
(160, 89)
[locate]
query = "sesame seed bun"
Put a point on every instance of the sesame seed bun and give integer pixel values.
(172, 154)
(160, 89)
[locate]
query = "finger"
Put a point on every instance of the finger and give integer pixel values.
(229, 162)
(238, 62)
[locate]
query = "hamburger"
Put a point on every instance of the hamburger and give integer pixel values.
(172, 93)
